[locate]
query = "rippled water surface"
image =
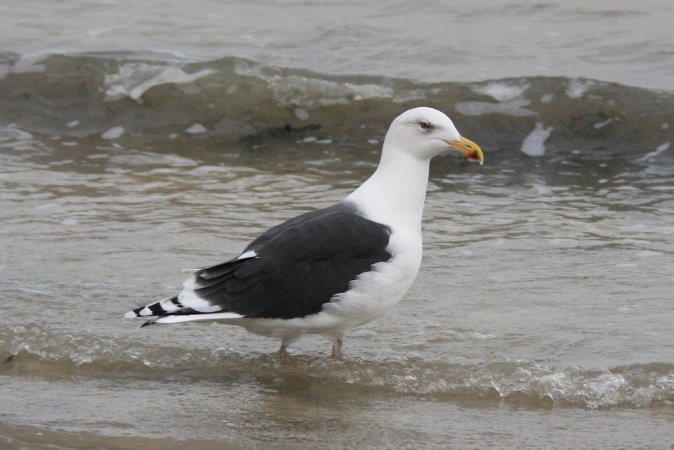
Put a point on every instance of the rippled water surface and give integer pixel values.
(542, 314)
(544, 299)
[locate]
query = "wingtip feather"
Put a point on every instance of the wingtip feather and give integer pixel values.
(149, 322)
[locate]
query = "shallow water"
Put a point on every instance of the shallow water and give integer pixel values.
(541, 317)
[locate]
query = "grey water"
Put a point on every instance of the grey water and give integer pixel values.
(139, 140)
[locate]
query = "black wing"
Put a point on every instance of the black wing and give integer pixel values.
(300, 265)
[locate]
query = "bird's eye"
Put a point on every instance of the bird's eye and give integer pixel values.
(425, 125)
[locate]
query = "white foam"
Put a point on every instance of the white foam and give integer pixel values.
(197, 128)
(534, 143)
(510, 98)
(301, 113)
(577, 88)
(502, 91)
(134, 79)
(30, 63)
(113, 133)
(11, 133)
(661, 148)
(547, 98)
(297, 90)
(411, 95)
(513, 108)
(602, 124)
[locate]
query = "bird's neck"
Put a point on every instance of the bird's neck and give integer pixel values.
(396, 192)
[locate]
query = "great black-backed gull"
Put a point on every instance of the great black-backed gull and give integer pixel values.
(328, 271)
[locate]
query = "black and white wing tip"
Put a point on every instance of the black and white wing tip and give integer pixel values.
(187, 306)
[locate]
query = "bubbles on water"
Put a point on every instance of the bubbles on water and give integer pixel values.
(607, 389)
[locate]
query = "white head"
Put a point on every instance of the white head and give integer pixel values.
(426, 132)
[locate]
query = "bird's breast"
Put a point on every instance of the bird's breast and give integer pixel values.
(374, 292)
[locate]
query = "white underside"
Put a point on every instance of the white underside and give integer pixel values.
(369, 296)
(210, 317)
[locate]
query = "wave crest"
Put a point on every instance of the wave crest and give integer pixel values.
(156, 99)
(524, 383)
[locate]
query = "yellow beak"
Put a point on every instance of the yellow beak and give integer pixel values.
(468, 148)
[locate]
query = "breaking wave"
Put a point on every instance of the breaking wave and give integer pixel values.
(39, 352)
(154, 98)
